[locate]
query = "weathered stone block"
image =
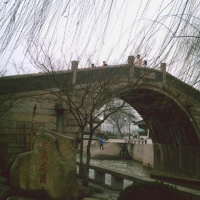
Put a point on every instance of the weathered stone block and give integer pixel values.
(21, 124)
(5, 123)
(8, 137)
(41, 111)
(45, 118)
(20, 138)
(22, 117)
(3, 130)
(38, 125)
(70, 129)
(71, 122)
(3, 147)
(16, 131)
(15, 150)
(32, 102)
(15, 144)
(47, 105)
(51, 126)
(49, 168)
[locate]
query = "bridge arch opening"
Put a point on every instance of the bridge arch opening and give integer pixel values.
(174, 135)
(167, 121)
(122, 122)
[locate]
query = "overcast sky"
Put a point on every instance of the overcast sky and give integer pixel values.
(91, 31)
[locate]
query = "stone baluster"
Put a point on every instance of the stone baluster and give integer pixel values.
(117, 183)
(131, 64)
(74, 71)
(163, 69)
(99, 177)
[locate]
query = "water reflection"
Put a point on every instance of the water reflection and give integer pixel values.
(135, 168)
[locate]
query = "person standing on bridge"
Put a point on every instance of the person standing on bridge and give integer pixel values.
(92, 65)
(101, 143)
(104, 64)
(138, 60)
(144, 64)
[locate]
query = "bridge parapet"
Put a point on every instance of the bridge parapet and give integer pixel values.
(128, 72)
(118, 179)
(74, 71)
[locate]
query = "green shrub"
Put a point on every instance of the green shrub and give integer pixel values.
(96, 189)
(87, 192)
(151, 191)
(84, 192)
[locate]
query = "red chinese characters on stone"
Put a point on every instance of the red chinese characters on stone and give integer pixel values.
(45, 144)
(43, 179)
(44, 158)
(43, 167)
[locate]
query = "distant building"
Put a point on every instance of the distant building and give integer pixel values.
(142, 131)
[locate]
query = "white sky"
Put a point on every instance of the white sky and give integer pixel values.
(84, 33)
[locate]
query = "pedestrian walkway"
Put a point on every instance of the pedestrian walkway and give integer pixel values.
(111, 151)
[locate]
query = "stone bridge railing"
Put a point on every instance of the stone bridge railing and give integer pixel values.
(41, 81)
(128, 70)
(117, 177)
(136, 141)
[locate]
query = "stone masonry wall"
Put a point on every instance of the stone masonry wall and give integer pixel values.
(17, 124)
(138, 152)
(148, 155)
(143, 153)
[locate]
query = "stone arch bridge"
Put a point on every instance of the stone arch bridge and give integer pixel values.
(170, 108)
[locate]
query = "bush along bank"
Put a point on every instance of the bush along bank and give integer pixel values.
(151, 190)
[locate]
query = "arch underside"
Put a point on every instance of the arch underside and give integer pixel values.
(176, 142)
(167, 122)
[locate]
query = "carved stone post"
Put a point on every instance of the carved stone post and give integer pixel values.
(131, 64)
(117, 183)
(99, 177)
(163, 69)
(74, 71)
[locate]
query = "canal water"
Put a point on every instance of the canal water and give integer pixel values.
(134, 167)
(129, 166)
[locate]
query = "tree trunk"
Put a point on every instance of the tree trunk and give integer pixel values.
(82, 165)
(87, 165)
(88, 154)
(119, 133)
